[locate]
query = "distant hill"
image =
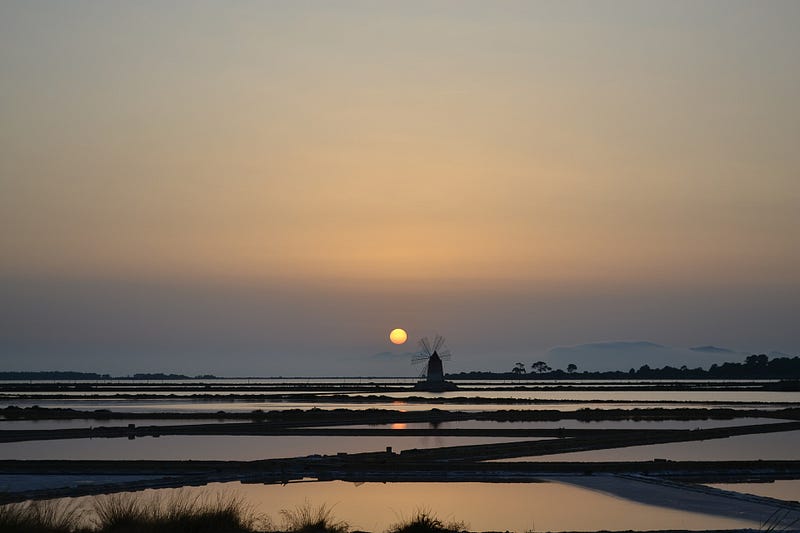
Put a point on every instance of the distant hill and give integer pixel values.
(711, 349)
(624, 355)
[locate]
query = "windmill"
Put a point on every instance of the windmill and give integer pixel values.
(432, 353)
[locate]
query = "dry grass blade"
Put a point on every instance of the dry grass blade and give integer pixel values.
(307, 518)
(47, 516)
(780, 520)
(425, 521)
(179, 512)
(119, 511)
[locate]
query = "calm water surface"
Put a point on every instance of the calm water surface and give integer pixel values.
(574, 424)
(213, 406)
(785, 445)
(82, 423)
(782, 489)
(467, 424)
(742, 448)
(214, 447)
(484, 506)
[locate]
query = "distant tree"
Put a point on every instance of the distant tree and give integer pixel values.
(572, 367)
(756, 360)
(540, 367)
(519, 368)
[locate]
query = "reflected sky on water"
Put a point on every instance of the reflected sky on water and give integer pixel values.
(456, 424)
(769, 446)
(550, 506)
(214, 447)
(782, 489)
(213, 406)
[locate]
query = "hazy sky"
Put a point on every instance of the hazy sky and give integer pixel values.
(270, 187)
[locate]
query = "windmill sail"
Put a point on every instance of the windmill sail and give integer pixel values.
(432, 353)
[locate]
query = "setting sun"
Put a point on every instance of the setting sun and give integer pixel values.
(398, 336)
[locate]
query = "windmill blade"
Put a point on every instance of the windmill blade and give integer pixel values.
(438, 343)
(419, 358)
(445, 356)
(424, 372)
(425, 344)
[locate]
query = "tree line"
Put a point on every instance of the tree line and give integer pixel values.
(753, 367)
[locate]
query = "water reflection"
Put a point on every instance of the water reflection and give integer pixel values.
(782, 489)
(484, 506)
(769, 446)
(87, 423)
(575, 424)
(215, 447)
(213, 406)
(721, 395)
(455, 424)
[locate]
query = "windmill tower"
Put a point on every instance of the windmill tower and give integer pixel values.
(432, 353)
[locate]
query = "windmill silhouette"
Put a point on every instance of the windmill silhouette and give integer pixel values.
(432, 353)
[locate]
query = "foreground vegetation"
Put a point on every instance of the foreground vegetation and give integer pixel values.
(125, 513)
(128, 513)
(425, 521)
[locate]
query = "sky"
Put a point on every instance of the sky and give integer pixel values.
(268, 188)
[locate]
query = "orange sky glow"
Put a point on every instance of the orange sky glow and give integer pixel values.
(408, 146)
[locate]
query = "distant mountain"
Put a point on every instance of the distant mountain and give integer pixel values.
(386, 364)
(392, 356)
(615, 346)
(712, 349)
(623, 355)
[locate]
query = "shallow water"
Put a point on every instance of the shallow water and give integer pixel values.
(363, 380)
(25, 482)
(230, 448)
(488, 506)
(731, 396)
(456, 424)
(213, 406)
(82, 423)
(519, 507)
(782, 489)
(573, 424)
(785, 445)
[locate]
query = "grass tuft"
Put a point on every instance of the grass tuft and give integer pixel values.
(783, 519)
(425, 521)
(49, 516)
(306, 518)
(126, 513)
